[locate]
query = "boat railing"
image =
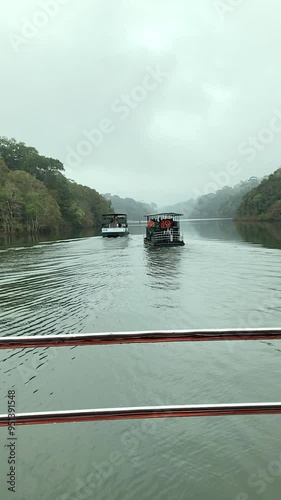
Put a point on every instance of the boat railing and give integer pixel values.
(159, 236)
(98, 339)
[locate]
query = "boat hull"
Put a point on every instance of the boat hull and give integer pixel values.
(114, 235)
(114, 232)
(164, 243)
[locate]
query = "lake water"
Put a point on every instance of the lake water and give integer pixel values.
(227, 275)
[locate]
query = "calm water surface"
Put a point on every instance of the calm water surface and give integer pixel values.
(227, 275)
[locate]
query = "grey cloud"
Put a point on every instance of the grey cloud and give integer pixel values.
(223, 84)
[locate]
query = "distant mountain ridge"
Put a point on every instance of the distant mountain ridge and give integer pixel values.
(134, 209)
(184, 207)
(224, 203)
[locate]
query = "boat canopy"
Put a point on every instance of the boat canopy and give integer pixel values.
(168, 215)
(114, 215)
(163, 213)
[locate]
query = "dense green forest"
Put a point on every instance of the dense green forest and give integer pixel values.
(134, 209)
(264, 201)
(36, 197)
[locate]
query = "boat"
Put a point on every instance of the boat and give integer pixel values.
(163, 230)
(114, 225)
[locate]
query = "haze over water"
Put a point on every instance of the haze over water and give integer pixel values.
(225, 276)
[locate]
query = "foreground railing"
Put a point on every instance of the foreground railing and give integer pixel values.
(59, 417)
(143, 337)
(140, 412)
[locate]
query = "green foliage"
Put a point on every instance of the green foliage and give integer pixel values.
(36, 197)
(264, 201)
(25, 204)
(18, 156)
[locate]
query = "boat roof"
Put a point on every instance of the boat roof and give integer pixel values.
(173, 214)
(112, 215)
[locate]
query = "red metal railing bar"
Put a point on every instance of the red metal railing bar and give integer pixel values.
(83, 339)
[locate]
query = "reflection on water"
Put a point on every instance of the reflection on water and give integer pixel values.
(137, 228)
(262, 233)
(222, 229)
(15, 241)
(164, 267)
(115, 244)
(98, 284)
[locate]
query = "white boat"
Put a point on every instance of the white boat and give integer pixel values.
(114, 225)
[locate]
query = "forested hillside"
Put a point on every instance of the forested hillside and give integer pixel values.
(35, 196)
(264, 201)
(134, 209)
(224, 202)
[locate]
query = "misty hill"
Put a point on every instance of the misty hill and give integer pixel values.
(134, 209)
(263, 202)
(224, 202)
(184, 207)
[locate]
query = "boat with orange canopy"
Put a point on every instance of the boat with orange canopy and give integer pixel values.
(163, 230)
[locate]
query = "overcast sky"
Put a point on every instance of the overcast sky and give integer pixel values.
(169, 91)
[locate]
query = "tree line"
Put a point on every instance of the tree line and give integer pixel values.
(264, 201)
(253, 199)
(36, 197)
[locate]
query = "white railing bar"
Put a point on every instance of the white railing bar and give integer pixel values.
(80, 339)
(52, 417)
